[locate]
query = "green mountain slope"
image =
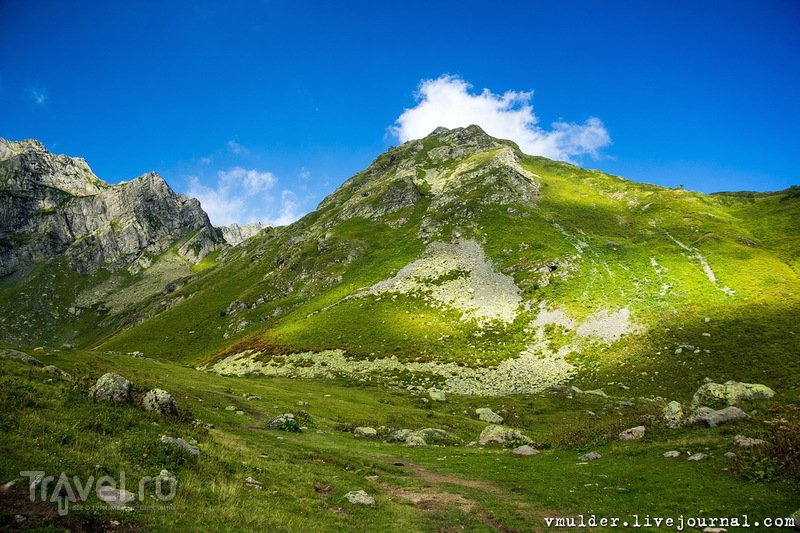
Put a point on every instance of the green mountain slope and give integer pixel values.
(458, 262)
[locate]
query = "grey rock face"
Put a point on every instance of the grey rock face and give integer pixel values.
(235, 234)
(52, 205)
(112, 388)
(160, 401)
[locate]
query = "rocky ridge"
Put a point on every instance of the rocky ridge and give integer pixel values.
(53, 205)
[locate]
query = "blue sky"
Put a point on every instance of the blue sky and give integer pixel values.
(262, 108)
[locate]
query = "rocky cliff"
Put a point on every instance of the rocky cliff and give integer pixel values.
(52, 205)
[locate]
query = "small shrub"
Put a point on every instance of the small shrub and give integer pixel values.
(779, 460)
(290, 425)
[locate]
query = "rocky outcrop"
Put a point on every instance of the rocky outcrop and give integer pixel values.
(236, 234)
(53, 205)
(729, 393)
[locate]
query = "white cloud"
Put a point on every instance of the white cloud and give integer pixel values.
(39, 96)
(236, 148)
(447, 102)
(242, 196)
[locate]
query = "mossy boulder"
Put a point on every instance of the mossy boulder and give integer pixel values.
(729, 393)
(112, 388)
(713, 418)
(487, 415)
(160, 401)
(495, 434)
(673, 414)
(21, 356)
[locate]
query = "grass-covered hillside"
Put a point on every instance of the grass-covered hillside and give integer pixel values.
(248, 477)
(507, 272)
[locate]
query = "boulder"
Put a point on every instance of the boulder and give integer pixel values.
(278, 421)
(747, 442)
(437, 395)
(591, 456)
(359, 497)
(495, 434)
(365, 432)
(673, 414)
(713, 418)
(54, 370)
(672, 454)
(114, 497)
(698, 457)
(729, 393)
(112, 388)
(487, 415)
(415, 440)
(194, 450)
(399, 435)
(21, 356)
(525, 450)
(633, 433)
(160, 401)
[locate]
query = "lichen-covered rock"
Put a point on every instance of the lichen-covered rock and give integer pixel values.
(415, 440)
(633, 433)
(54, 370)
(160, 401)
(280, 420)
(21, 356)
(713, 418)
(729, 393)
(437, 396)
(399, 435)
(495, 434)
(672, 454)
(673, 414)
(194, 450)
(112, 388)
(748, 442)
(360, 497)
(365, 431)
(487, 415)
(698, 457)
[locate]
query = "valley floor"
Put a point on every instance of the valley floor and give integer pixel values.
(250, 478)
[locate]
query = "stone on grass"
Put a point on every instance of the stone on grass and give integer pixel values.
(698, 457)
(54, 370)
(112, 388)
(748, 442)
(194, 450)
(525, 450)
(596, 392)
(673, 453)
(591, 456)
(729, 393)
(253, 484)
(633, 433)
(673, 414)
(730, 455)
(487, 415)
(713, 418)
(365, 431)
(796, 517)
(495, 434)
(415, 440)
(21, 356)
(278, 421)
(160, 401)
(114, 497)
(360, 497)
(399, 435)
(437, 395)
(166, 476)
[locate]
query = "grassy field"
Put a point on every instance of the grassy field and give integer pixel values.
(50, 424)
